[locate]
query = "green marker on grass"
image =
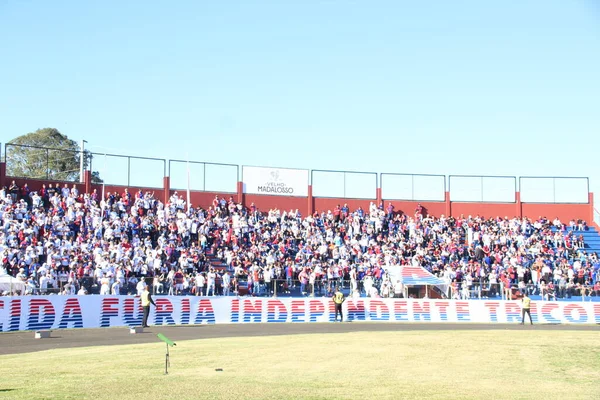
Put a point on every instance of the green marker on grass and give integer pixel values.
(166, 340)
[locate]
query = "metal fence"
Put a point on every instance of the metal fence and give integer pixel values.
(207, 177)
(413, 187)
(53, 164)
(326, 288)
(344, 184)
(489, 189)
(542, 189)
(114, 169)
(477, 290)
(34, 162)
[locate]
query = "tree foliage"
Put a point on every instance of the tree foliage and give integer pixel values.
(46, 154)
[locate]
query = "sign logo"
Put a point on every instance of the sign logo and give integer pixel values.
(275, 176)
(275, 181)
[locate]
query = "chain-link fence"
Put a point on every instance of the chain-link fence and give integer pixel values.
(33, 162)
(413, 187)
(554, 189)
(65, 165)
(485, 189)
(344, 184)
(206, 177)
(113, 169)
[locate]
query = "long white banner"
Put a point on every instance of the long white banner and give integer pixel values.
(275, 181)
(54, 312)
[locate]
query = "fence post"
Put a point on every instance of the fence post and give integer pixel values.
(128, 170)
(47, 164)
(379, 188)
(240, 193)
(593, 211)
(482, 189)
(310, 201)
(87, 179)
(166, 189)
(3, 175)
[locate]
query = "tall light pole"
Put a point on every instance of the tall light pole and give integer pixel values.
(81, 160)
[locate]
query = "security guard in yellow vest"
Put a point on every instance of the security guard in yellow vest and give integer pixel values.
(526, 309)
(338, 299)
(146, 301)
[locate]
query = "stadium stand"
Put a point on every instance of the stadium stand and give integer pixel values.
(61, 241)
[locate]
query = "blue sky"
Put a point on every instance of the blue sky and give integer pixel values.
(432, 87)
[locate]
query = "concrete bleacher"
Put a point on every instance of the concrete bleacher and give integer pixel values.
(591, 238)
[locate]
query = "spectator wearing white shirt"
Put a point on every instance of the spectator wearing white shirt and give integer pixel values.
(226, 284)
(116, 288)
(210, 282)
(104, 285)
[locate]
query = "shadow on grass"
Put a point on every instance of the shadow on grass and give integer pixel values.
(7, 390)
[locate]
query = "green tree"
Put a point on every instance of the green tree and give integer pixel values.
(46, 154)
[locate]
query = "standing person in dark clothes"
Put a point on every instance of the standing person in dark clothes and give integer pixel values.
(146, 301)
(338, 299)
(14, 190)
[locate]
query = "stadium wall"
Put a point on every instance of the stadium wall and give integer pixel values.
(309, 204)
(60, 312)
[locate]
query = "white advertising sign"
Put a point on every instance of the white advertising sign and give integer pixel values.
(275, 181)
(60, 312)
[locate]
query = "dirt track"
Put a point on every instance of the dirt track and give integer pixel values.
(24, 342)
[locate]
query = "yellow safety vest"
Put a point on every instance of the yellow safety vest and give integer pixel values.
(145, 299)
(338, 298)
(526, 302)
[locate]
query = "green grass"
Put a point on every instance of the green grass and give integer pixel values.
(363, 365)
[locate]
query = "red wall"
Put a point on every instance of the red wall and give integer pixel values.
(564, 212)
(324, 204)
(36, 184)
(435, 208)
(203, 199)
(120, 189)
(487, 210)
(284, 203)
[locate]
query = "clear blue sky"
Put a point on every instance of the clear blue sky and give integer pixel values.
(444, 87)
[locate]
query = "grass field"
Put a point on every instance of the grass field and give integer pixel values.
(362, 365)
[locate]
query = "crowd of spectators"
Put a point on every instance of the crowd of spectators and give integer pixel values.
(58, 240)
